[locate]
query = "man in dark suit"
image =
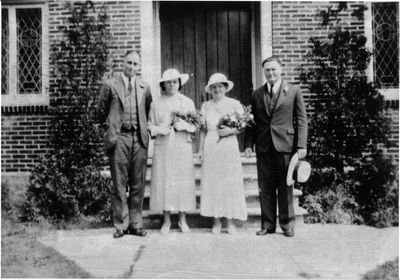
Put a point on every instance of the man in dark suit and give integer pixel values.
(280, 130)
(123, 109)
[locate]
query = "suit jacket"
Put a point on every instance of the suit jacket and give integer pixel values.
(285, 127)
(110, 109)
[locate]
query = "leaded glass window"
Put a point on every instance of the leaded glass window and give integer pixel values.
(29, 50)
(385, 25)
(4, 51)
(25, 61)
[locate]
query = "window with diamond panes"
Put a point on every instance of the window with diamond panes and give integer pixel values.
(385, 27)
(29, 50)
(4, 51)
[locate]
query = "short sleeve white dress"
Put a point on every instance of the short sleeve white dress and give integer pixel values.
(222, 189)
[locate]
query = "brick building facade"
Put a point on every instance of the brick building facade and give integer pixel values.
(279, 28)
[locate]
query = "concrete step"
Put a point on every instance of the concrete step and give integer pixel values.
(250, 183)
(153, 220)
(195, 220)
(249, 165)
(251, 193)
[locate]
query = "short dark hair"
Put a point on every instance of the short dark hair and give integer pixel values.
(163, 86)
(271, 58)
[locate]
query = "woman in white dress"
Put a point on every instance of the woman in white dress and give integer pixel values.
(172, 175)
(222, 190)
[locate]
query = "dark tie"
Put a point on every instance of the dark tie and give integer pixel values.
(129, 85)
(271, 92)
(272, 101)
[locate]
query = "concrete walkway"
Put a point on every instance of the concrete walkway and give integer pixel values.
(317, 251)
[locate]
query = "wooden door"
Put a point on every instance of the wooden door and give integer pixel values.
(202, 38)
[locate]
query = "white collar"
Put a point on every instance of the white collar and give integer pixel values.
(277, 85)
(126, 79)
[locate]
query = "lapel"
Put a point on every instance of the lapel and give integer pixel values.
(120, 89)
(264, 93)
(282, 94)
(139, 90)
(139, 94)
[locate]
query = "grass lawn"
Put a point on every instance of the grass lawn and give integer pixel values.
(22, 256)
(388, 271)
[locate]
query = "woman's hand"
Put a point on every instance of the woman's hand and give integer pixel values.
(224, 131)
(181, 125)
(164, 130)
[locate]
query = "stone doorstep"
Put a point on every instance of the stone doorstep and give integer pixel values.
(249, 192)
(154, 219)
(251, 211)
(197, 162)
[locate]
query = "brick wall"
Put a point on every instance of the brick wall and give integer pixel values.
(393, 113)
(23, 138)
(24, 130)
(124, 20)
(293, 23)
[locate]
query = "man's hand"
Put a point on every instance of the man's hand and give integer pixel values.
(248, 152)
(200, 156)
(301, 153)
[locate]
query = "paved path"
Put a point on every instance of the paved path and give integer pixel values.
(317, 251)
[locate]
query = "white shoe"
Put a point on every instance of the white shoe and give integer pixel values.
(165, 228)
(216, 229)
(184, 228)
(231, 229)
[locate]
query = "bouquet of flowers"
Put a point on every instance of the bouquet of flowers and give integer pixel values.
(191, 117)
(237, 120)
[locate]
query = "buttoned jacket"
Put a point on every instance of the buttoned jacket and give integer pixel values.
(110, 109)
(285, 127)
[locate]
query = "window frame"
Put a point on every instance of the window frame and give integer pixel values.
(13, 97)
(388, 93)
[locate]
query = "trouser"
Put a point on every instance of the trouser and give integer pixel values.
(272, 169)
(128, 163)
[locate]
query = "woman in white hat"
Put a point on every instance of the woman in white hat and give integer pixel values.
(172, 175)
(222, 192)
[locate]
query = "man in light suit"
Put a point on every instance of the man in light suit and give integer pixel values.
(280, 130)
(123, 109)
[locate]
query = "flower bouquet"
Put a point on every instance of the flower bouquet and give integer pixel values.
(237, 120)
(191, 117)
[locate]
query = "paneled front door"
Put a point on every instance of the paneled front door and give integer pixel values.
(201, 38)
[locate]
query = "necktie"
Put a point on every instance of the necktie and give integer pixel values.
(271, 90)
(129, 85)
(272, 101)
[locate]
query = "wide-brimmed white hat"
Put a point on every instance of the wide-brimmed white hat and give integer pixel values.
(298, 171)
(172, 74)
(216, 79)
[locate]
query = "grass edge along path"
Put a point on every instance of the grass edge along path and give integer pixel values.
(388, 271)
(22, 256)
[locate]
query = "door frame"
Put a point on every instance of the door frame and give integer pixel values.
(261, 41)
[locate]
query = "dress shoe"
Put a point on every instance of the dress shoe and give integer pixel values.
(137, 232)
(118, 233)
(289, 233)
(265, 231)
